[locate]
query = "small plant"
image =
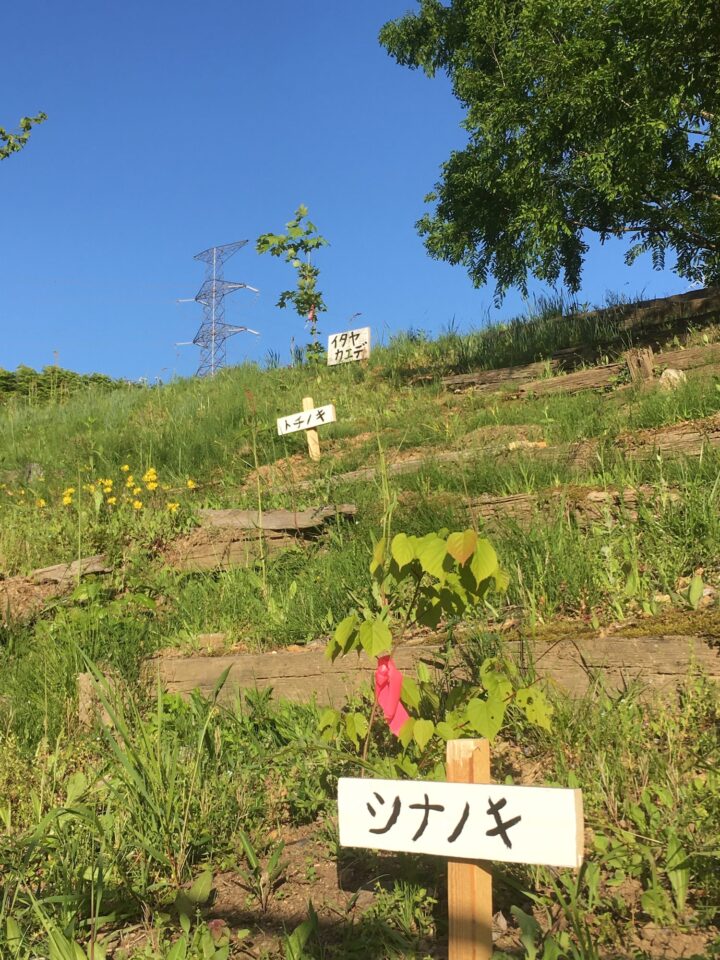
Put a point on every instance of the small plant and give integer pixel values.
(296, 246)
(262, 879)
(420, 580)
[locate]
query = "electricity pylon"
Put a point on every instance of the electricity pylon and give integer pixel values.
(214, 331)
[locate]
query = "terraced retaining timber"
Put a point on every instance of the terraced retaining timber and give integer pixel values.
(241, 538)
(659, 662)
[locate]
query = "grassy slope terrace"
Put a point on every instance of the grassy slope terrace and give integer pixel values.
(125, 471)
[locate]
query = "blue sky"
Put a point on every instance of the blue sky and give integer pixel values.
(176, 126)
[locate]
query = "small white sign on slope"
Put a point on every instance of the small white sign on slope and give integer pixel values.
(348, 346)
(307, 420)
(516, 824)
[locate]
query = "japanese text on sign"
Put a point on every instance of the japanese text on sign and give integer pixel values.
(349, 345)
(515, 824)
(307, 420)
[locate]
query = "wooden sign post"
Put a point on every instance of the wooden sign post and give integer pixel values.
(308, 420)
(469, 884)
(465, 819)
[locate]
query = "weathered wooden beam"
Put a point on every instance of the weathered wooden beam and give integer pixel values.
(659, 662)
(288, 520)
(532, 377)
(585, 506)
(687, 439)
(66, 572)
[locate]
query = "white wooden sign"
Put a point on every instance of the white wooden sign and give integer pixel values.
(349, 345)
(517, 824)
(307, 420)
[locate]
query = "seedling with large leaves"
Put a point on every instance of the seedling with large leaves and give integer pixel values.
(424, 581)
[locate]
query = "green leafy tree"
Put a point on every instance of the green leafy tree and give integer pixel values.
(296, 246)
(12, 142)
(596, 115)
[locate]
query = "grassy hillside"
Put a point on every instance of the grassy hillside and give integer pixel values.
(125, 472)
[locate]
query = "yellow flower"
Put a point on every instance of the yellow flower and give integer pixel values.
(191, 485)
(130, 482)
(136, 491)
(40, 503)
(152, 485)
(89, 487)
(68, 491)
(125, 467)
(67, 499)
(150, 475)
(112, 501)
(137, 504)
(107, 485)
(172, 507)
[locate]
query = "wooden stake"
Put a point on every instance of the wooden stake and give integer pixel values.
(640, 363)
(312, 435)
(469, 885)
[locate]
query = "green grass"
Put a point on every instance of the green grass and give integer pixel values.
(132, 818)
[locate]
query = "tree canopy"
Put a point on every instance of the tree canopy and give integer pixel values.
(596, 115)
(12, 142)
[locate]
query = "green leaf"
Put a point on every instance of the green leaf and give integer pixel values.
(406, 732)
(486, 716)
(431, 552)
(422, 732)
(201, 889)
(496, 683)
(695, 591)
(446, 730)
(378, 557)
(484, 562)
(461, 546)
(402, 549)
(356, 725)
(76, 787)
(13, 935)
(294, 945)
(410, 694)
(530, 931)
(375, 637)
(535, 705)
(178, 951)
(328, 718)
(344, 635)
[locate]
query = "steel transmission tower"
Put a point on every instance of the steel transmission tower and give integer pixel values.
(213, 330)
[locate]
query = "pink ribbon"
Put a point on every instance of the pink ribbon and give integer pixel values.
(388, 685)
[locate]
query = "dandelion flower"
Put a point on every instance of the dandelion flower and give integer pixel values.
(137, 504)
(130, 482)
(112, 501)
(151, 485)
(125, 468)
(67, 499)
(172, 507)
(136, 491)
(150, 475)
(40, 503)
(191, 485)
